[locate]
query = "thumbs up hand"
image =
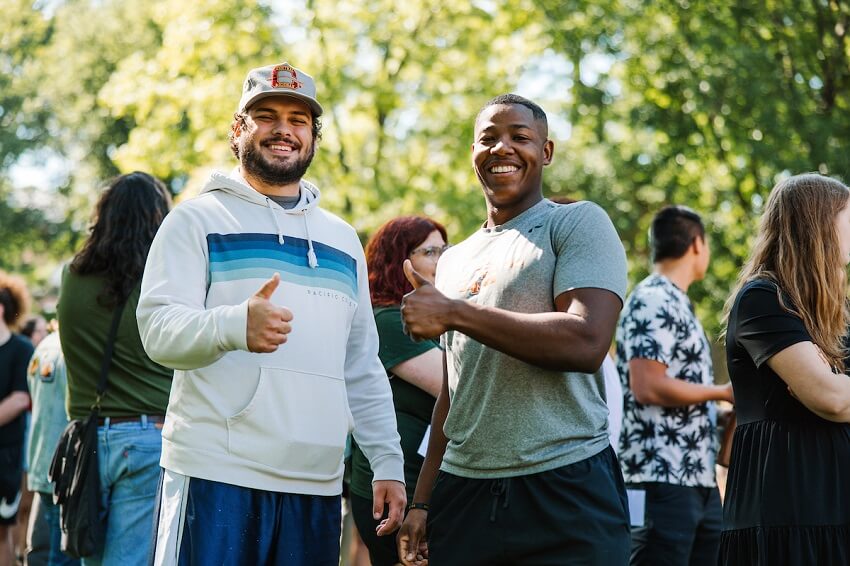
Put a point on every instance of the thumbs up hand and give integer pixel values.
(268, 324)
(425, 311)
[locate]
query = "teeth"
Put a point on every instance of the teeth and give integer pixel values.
(277, 147)
(503, 169)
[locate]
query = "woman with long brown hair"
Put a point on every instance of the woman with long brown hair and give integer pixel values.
(105, 277)
(415, 369)
(788, 498)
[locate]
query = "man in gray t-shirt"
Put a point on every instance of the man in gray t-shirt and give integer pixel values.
(526, 307)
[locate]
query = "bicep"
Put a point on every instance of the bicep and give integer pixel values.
(802, 367)
(644, 375)
(598, 308)
(425, 371)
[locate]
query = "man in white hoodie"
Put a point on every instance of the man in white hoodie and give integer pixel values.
(259, 299)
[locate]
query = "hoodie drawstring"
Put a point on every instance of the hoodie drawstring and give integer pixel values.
(276, 223)
(312, 260)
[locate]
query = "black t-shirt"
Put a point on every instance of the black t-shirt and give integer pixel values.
(15, 355)
(759, 328)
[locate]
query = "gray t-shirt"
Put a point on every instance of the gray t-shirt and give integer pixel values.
(286, 202)
(507, 417)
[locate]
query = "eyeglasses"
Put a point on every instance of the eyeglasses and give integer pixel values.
(431, 252)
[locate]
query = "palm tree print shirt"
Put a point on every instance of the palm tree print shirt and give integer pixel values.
(674, 445)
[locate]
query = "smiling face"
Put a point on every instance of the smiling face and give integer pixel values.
(276, 142)
(508, 155)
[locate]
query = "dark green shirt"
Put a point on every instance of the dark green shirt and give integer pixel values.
(137, 385)
(413, 406)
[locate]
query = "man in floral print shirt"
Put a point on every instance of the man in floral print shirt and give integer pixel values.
(667, 445)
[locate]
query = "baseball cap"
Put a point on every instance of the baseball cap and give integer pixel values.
(279, 80)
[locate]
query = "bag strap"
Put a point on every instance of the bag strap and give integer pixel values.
(107, 356)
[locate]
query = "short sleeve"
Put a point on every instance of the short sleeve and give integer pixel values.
(762, 327)
(395, 346)
(589, 251)
(20, 366)
(650, 329)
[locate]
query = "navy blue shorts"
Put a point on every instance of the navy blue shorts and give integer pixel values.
(576, 514)
(206, 522)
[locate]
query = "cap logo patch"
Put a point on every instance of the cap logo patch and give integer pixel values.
(285, 76)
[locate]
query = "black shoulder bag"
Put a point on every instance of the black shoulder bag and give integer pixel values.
(75, 474)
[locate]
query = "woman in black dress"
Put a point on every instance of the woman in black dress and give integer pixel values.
(788, 491)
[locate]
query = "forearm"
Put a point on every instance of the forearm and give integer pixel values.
(553, 340)
(830, 401)
(183, 337)
(12, 406)
(424, 371)
(672, 392)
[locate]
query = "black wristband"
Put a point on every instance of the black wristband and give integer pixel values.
(423, 506)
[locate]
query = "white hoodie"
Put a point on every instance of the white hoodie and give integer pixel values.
(275, 421)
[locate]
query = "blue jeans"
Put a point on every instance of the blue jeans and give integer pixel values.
(45, 534)
(128, 462)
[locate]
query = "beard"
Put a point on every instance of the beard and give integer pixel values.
(274, 173)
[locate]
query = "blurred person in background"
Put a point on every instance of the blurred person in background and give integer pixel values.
(15, 354)
(415, 369)
(104, 276)
(34, 328)
(667, 445)
(787, 495)
(47, 382)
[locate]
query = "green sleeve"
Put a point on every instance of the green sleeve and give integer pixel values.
(395, 346)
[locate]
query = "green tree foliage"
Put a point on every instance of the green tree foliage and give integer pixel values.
(707, 105)
(674, 101)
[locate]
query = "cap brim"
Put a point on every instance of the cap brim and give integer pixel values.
(311, 102)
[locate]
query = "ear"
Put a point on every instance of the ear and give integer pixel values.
(548, 150)
(699, 245)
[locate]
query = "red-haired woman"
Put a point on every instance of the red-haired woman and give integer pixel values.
(415, 368)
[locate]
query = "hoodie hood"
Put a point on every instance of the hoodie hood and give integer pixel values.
(236, 185)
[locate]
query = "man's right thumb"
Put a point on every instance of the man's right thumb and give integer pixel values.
(412, 275)
(268, 288)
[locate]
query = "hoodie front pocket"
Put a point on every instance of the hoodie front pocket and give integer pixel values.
(296, 422)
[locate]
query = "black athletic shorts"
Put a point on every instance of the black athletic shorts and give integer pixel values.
(11, 474)
(573, 515)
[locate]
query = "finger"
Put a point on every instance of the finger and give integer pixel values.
(284, 328)
(268, 288)
(407, 545)
(412, 545)
(387, 526)
(396, 512)
(413, 276)
(378, 496)
(285, 314)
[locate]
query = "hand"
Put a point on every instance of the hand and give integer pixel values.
(392, 494)
(412, 544)
(268, 324)
(424, 308)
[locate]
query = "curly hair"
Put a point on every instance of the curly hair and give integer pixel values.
(125, 221)
(239, 122)
(386, 251)
(14, 298)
